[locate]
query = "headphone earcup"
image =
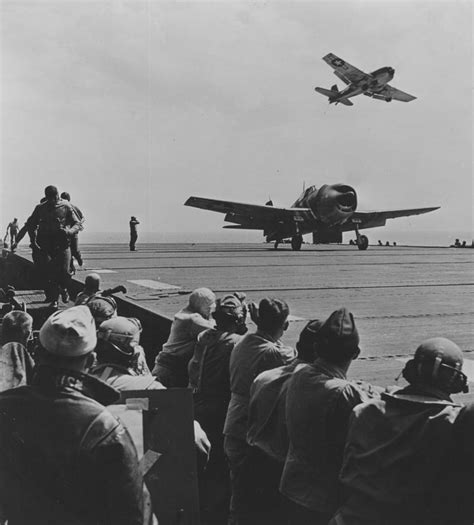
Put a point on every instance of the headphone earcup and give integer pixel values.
(409, 372)
(458, 383)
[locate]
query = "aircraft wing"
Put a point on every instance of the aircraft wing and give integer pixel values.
(344, 70)
(252, 216)
(374, 219)
(393, 93)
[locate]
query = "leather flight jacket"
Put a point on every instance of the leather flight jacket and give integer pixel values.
(64, 459)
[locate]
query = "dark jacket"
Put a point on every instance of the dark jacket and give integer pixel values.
(399, 448)
(53, 223)
(209, 379)
(319, 403)
(64, 459)
(267, 411)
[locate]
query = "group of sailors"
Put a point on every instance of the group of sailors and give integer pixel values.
(282, 435)
(53, 229)
(300, 443)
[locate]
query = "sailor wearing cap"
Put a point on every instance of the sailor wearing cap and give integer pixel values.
(63, 457)
(320, 399)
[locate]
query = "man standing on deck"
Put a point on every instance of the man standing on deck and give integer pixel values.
(50, 228)
(12, 229)
(133, 232)
(75, 253)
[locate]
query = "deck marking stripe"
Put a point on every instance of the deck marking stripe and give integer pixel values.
(155, 285)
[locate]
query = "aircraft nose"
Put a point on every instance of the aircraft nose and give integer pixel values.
(347, 199)
(334, 204)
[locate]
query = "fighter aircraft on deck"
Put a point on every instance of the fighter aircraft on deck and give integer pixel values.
(326, 212)
(373, 85)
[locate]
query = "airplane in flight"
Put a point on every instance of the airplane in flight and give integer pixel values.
(326, 212)
(373, 84)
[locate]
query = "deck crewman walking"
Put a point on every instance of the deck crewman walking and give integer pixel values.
(50, 228)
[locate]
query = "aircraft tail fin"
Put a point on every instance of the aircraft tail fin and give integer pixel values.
(269, 203)
(335, 89)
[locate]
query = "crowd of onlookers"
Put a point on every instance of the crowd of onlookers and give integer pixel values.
(282, 436)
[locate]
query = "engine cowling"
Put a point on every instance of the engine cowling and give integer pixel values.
(333, 204)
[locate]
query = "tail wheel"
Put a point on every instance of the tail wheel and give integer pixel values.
(296, 242)
(363, 243)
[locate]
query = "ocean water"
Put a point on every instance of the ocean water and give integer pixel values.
(407, 238)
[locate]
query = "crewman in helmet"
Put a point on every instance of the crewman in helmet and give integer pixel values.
(209, 379)
(399, 447)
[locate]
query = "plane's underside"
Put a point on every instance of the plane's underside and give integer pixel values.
(325, 212)
(375, 84)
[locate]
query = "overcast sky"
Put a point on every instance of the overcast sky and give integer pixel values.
(134, 106)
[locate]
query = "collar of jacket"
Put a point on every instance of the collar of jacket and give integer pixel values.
(267, 337)
(329, 369)
(49, 378)
(421, 394)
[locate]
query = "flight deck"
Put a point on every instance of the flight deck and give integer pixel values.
(398, 295)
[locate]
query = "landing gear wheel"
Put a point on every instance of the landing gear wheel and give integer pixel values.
(275, 246)
(296, 243)
(363, 243)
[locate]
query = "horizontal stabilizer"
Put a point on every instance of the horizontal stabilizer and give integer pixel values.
(332, 94)
(345, 101)
(325, 92)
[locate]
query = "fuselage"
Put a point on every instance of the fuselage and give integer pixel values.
(373, 82)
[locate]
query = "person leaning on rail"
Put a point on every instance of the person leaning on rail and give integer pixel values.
(401, 449)
(171, 364)
(256, 352)
(319, 402)
(120, 364)
(210, 382)
(267, 430)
